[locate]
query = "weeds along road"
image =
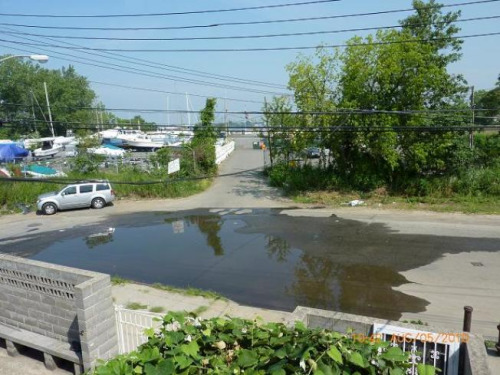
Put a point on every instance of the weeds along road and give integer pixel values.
(453, 280)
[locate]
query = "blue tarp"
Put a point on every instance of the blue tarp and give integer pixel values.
(9, 152)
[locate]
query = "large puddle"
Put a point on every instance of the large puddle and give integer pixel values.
(259, 257)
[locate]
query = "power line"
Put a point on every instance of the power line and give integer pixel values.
(162, 66)
(175, 93)
(169, 13)
(65, 181)
(262, 49)
(230, 37)
(158, 75)
(336, 112)
(305, 128)
(141, 72)
(251, 22)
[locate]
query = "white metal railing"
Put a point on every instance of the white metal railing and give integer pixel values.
(440, 350)
(130, 326)
(222, 152)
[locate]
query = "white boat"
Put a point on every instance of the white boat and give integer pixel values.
(49, 148)
(144, 142)
(119, 136)
(60, 141)
(108, 150)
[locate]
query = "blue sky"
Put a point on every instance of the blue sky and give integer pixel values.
(480, 62)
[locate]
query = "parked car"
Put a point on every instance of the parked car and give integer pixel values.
(95, 194)
(313, 153)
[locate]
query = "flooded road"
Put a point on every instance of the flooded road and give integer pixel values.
(257, 257)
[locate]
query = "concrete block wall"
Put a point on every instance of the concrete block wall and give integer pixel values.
(97, 322)
(62, 303)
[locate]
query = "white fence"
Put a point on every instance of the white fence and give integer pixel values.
(440, 350)
(131, 324)
(222, 152)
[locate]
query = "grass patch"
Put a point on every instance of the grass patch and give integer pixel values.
(200, 310)
(157, 309)
(465, 204)
(136, 306)
(190, 291)
(490, 344)
(118, 280)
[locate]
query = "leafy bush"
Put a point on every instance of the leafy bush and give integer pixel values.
(187, 345)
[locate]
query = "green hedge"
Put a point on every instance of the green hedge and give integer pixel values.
(187, 345)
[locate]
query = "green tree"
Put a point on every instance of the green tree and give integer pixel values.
(393, 77)
(203, 142)
(22, 97)
(282, 137)
(488, 102)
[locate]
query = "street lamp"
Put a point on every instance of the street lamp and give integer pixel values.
(39, 58)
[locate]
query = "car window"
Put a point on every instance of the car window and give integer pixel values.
(100, 187)
(86, 188)
(69, 191)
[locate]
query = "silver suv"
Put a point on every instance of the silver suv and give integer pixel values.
(95, 194)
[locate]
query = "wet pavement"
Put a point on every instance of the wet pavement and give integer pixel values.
(257, 257)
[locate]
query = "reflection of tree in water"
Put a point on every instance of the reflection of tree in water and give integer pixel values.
(314, 278)
(277, 248)
(93, 241)
(323, 282)
(210, 226)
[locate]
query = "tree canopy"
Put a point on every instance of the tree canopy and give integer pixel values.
(22, 97)
(378, 85)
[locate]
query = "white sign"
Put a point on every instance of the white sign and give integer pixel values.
(174, 166)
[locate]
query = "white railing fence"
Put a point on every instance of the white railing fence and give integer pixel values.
(222, 152)
(130, 325)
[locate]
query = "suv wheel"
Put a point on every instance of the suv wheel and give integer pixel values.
(49, 208)
(98, 203)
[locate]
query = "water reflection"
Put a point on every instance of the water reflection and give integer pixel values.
(100, 238)
(209, 225)
(277, 248)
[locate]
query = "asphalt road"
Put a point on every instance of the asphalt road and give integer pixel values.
(448, 283)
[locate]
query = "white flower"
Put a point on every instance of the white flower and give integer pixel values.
(175, 326)
(196, 323)
(188, 338)
(244, 330)
(302, 365)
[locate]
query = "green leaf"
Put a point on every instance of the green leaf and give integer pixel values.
(183, 361)
(280, 353)
(137, 369)
(327, 370)
(397, 371)
(356, 359)
(278, 372)
(335, 354)
(425, 369)
(191, 349)
(162, 368)
(247, 358)
(394, 354)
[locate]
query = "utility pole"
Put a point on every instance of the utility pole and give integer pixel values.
(48, 107)
(472, 106)
(33, 109)
(187, 108)
(168, 113)
(225, 116)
